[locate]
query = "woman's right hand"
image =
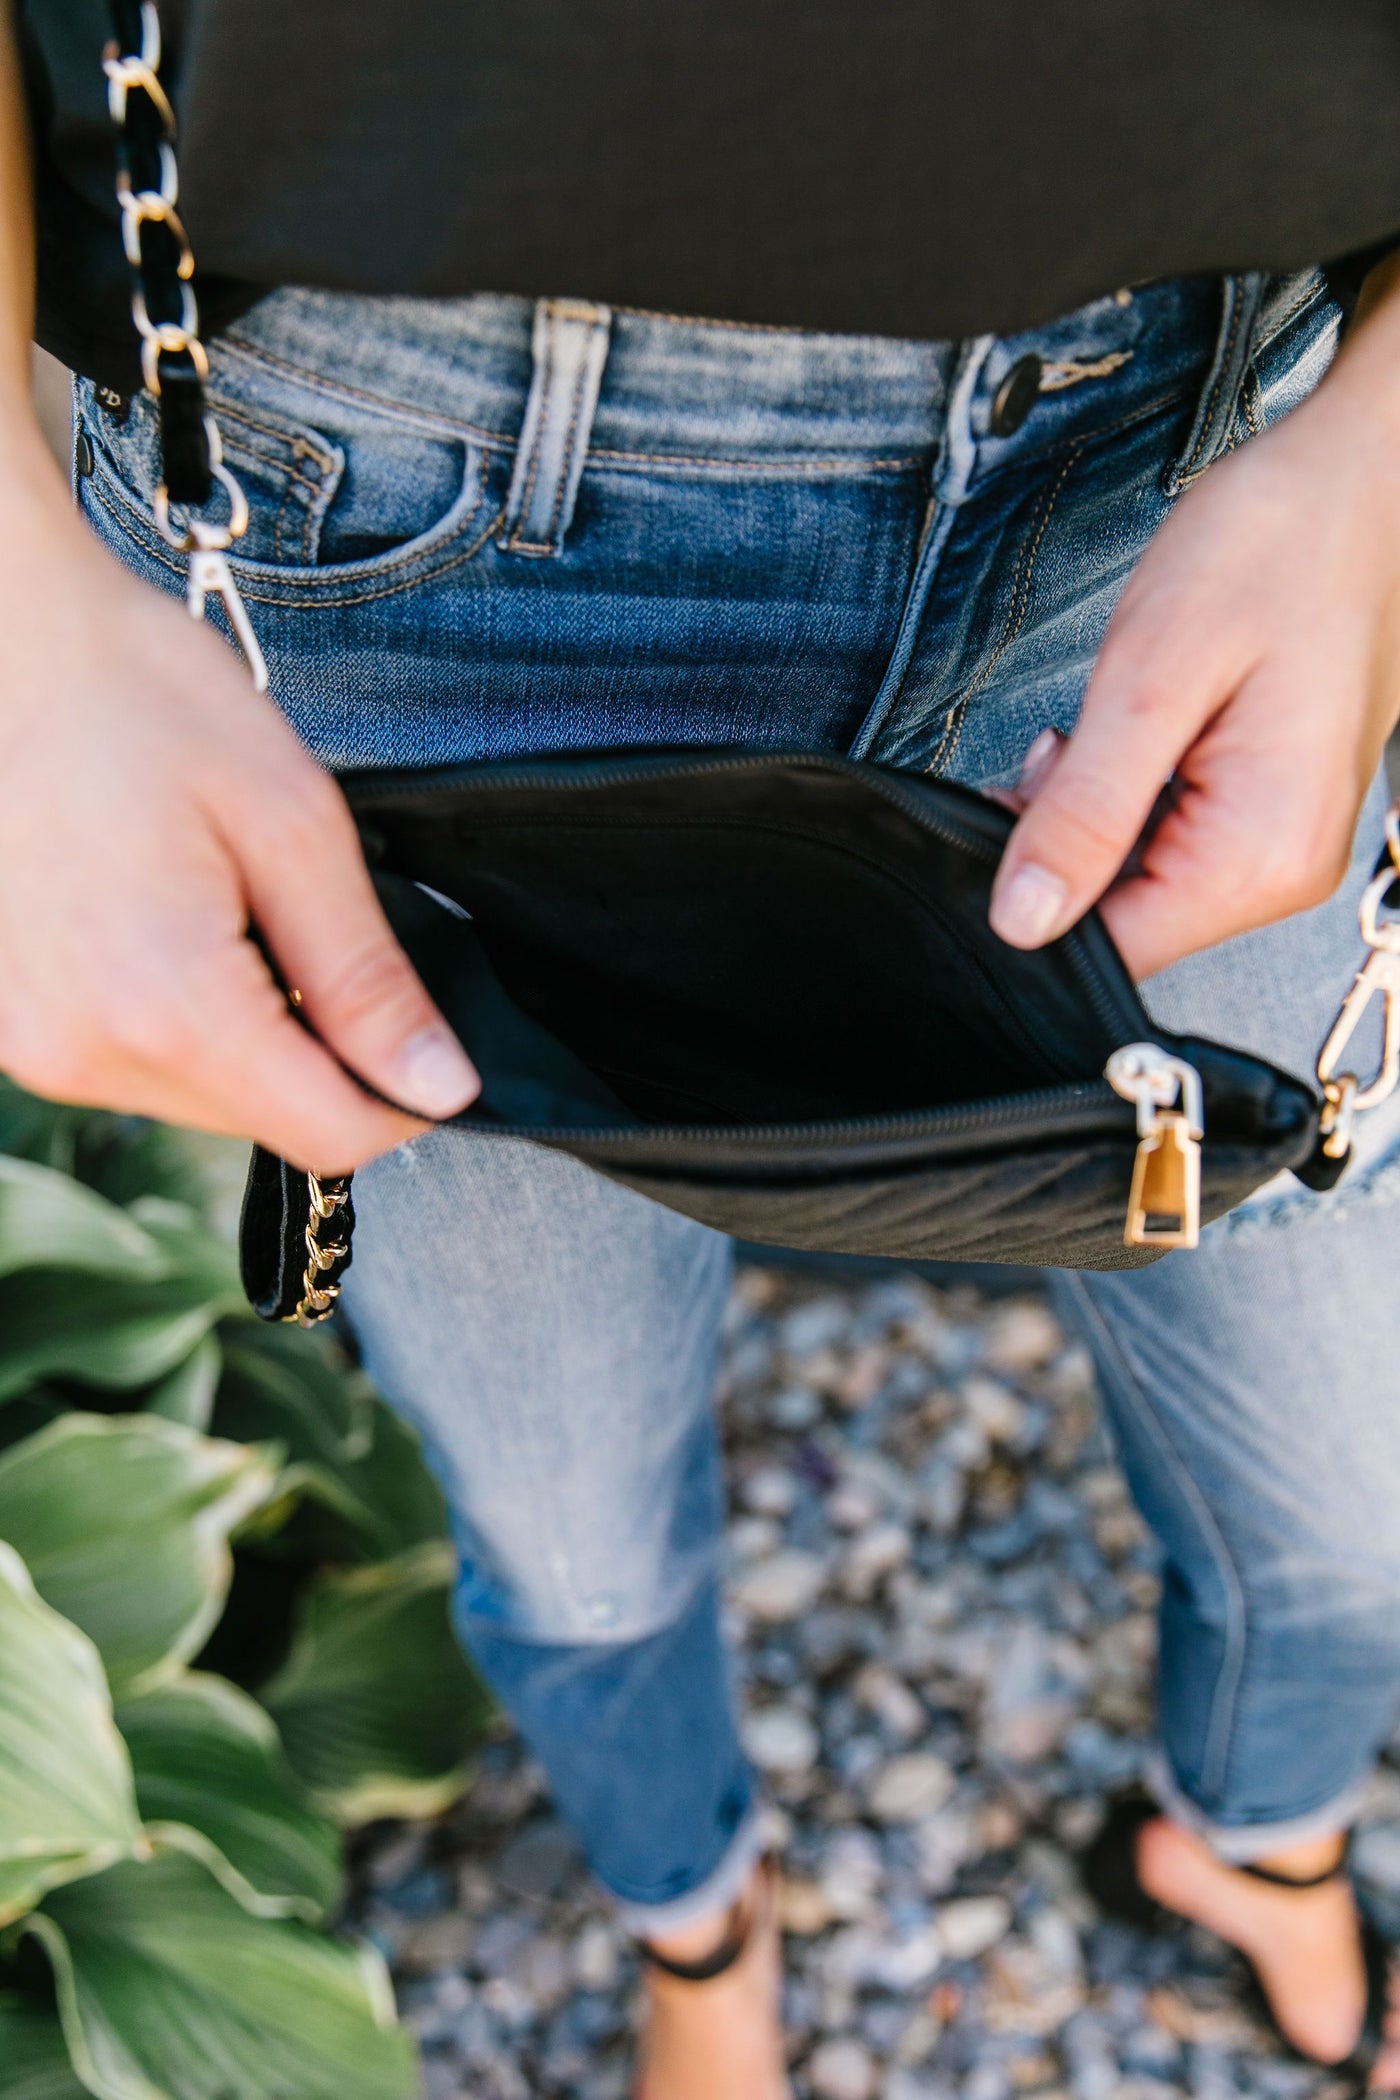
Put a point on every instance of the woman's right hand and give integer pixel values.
(152, 803)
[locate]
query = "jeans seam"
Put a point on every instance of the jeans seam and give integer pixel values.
(1220, 1729)
(1222, 366)
(792, 466)
(384, 404)
(303, 601)
(1015, 619)
(1305, 298)
(655, 313)
(239, 447)
(503, 441)
(295, 441)
(934, 535)
(1076, 441)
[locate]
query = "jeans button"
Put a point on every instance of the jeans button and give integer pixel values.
(1016, 396)
(82, 453)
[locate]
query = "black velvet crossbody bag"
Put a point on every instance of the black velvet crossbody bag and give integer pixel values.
(759, 988)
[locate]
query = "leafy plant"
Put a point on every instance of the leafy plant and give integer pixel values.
(224, 1637)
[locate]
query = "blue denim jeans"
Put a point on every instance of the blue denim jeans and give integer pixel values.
(483, 528)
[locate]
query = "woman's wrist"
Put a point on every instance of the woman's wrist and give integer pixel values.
(1366, 370)
(33, 492)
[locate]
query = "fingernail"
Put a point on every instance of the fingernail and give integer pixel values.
(435, 1074)
(1030, 908)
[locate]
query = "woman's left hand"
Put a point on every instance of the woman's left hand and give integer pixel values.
(1255, 656)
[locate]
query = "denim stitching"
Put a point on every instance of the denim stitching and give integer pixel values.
(294, 599)
(504, 441)
(1251, 401)
(240, 449)
(653, 313)
(385, 404)
(1015, 621)
(1222, 365)
(1224, 1700)
(1305, 298)
(792, 465)
(294, 439)
(389, 563)
(1251, 391)
(1080, 440)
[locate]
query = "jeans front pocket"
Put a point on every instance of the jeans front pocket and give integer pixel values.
(340, 499)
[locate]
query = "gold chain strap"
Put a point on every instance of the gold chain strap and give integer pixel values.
(326, 1197)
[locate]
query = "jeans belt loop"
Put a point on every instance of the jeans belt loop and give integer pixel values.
(570, 349)
(1215, 411)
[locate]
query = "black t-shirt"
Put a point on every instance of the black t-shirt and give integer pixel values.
(909, 167)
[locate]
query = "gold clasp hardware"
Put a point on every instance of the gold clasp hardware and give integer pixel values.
(1344, 1095)
(1164, 1203)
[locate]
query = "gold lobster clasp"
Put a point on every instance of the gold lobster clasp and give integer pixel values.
(1344, 1094)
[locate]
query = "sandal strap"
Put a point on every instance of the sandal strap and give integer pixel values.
(742, 1919)
(1292, 1881)
(712, 1965)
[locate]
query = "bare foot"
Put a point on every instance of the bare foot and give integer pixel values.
(720, 2040)
(1304, 1944)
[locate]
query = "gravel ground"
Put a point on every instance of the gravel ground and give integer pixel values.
(942, 1604)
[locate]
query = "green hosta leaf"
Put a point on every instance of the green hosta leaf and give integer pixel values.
(115, 1328)
(366, 1491)
(169, 1990)
(108, 1332)
(123, 1521)
(186, 1394)
(49, 1221)
(207, 1756)
(34, 2054)
(376, 1704)
(67, 1804)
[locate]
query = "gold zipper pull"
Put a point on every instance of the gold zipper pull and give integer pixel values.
(1164, 1203)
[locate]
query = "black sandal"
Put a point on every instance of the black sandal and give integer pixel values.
(744, 1916)
(1108, 1869)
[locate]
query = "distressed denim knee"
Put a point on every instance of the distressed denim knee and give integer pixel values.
(554, 1337)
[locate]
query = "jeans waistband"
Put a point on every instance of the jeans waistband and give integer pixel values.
(700, 392)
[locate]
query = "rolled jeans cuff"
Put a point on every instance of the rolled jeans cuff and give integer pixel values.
(714, 1895)
(1240, 1843)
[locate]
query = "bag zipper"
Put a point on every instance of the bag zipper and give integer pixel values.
(1052, 1103)
(1164, 1203)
